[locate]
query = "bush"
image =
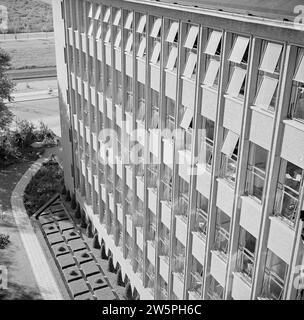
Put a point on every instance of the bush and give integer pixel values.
(4, 241)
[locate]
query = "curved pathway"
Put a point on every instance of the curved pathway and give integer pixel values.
(45, 279)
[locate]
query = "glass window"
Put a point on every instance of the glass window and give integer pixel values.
(214, 43)
(156, 28)
(99, 33)
(173, 32)
(156, 53)
(239, 49)
(222, 233)
(192, 37)
(237, 82)
(142, 48)
(187, 118)
(117, 18)
(190, 65)
(129, 43)
(128, 24)
(98, 13)
(212, 72)
(300, 71)
(108, 35)
(266, 92)
(230, 143)
(107, 15)
(171, 64)
(118, 39)
(141, 24)
(271, 57)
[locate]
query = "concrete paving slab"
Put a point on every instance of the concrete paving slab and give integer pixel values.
(78, 287)
(71, 234)
(60, 249)
(50, 228)
(83, 256)
(90, 268)
(72, 273)
(77, 244)
(55, 238)
(104, 294)
(66, 261)
(97, 281)
(65, 225)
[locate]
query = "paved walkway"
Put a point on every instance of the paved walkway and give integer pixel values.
(44, 277)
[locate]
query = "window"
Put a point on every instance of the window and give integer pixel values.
(222, 233)
(118, 39)
(99, 32)
(107, 14)
(274, 277)
(245, 256)
(191, 38)
(117, 18)
(230, 157)
(171, 64)
(256, 171)
(239, 49)
(271, 57)
(142, 48)
(141, 24)
(173, 32)
(300, 70)
(214, 43)
(108, 35)
(187, 118)
(128, 24)
(237, 82)
(98, 13)
(156, 28)
(266, 92)
(129, 43)
(212, 73)
(190, 65)
(156, 53)
(288, 188)
(206, 144)
(201, 223)
(91, 29)
(216, 291)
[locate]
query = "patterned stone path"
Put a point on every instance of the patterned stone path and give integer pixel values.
(80, 270)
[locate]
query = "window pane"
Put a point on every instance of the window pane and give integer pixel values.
(142, 48)
(129, 43)
(108, 35)
(156, 28)
(107, 16)
(266, 92)
(91, 28)
(187, 118)
(191, 62)
(271, 57)
(192, 35)
(117, 18)
(230, 143)
(118, 39)
(172, 58)
(213, 42)
(172, 32)
(156, 52)
(129, 21)
(236, 82)
(98, 12)
(299, 105)
(141, 24)
(99, 32)
(239, 49)
(212, 72)
(300, 71)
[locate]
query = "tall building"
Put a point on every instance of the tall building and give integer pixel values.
(198, 194)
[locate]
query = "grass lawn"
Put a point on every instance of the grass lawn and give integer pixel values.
(31, 53)
(29, 15)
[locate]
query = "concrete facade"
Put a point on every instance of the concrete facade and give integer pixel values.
(199, 194)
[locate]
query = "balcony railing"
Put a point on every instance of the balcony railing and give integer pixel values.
(222, 241)
(287, 204)
(196, 282)
(273, 286)
(201, 224)
(229, 168)
(255, 182)
(245, 263)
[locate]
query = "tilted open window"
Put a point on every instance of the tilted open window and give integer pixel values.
(266, 92)
(108, 35)
(118, 39)
(107, 14)
(129, 43)
(98, 13)
(99, 33)
(91, 29)
(190, 65)
(187, 118)
(213, 43)
(172, 35)
(271, 57)
(239, 49)
(156, 53)
(128, 24)
(237, 82)
(230, 143)
(141, 24)
(171, 64)
(156, 28)
(212, 72)
(192, 37)
(117, 18)
(300, 71)
(142, 48)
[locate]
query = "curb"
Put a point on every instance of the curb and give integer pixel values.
(45, 279)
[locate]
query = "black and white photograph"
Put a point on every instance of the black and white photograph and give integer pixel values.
(152, 151)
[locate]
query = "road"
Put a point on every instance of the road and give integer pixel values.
(36, 73)
(26, 36)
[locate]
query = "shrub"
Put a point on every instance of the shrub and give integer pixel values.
(4, 241)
